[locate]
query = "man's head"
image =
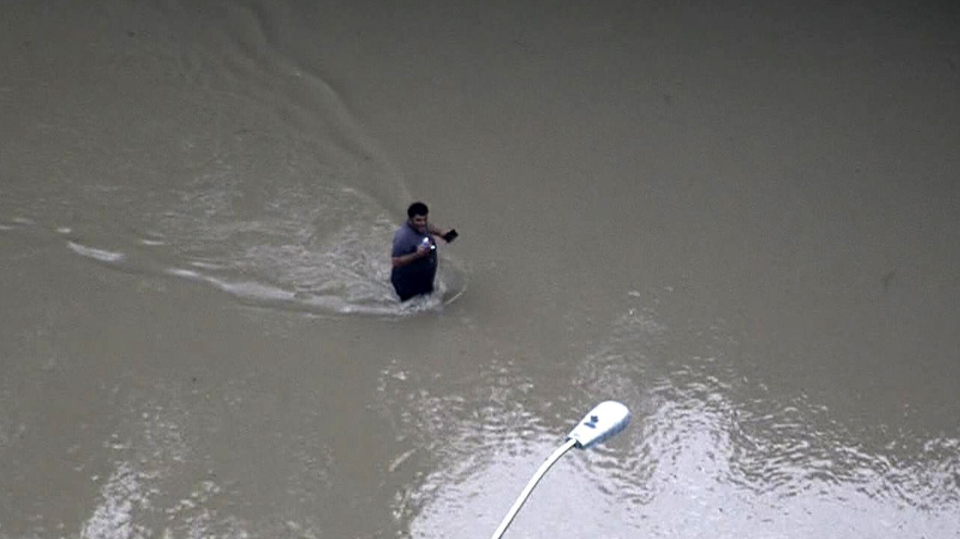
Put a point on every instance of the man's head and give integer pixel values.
(417, 214)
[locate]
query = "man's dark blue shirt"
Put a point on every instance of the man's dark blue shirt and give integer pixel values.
(417, 277)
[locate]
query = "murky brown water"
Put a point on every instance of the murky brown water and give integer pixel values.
(741, 221)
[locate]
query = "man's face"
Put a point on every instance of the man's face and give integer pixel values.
(419, 222)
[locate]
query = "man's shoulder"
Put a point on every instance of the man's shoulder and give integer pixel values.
(404, 232)
(405, 240)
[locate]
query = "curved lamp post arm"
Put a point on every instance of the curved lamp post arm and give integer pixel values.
(530, 486)
(605, 420)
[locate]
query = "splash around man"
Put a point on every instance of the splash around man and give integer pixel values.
(414, 255)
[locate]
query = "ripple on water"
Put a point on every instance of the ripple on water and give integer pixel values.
(304, 252)
(708, 454)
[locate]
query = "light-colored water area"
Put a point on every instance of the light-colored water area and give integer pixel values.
(740, 220)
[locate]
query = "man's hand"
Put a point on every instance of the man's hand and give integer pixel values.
(449, 235)
(403, 260)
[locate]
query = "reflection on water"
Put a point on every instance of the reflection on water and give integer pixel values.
(708, 454)
(679, 207)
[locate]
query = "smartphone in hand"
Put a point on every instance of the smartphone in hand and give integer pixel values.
(450, 236)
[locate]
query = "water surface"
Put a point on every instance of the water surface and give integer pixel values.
(742, 221)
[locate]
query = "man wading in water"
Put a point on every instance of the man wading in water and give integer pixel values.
(414, 254)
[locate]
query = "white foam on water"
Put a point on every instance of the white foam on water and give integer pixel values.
(114, 517)
(102, 255)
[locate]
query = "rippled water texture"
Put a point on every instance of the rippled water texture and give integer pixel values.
(741, 221)
(210, 164)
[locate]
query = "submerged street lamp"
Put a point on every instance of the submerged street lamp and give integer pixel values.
(605, 420)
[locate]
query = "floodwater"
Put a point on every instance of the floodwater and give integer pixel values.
(740, 219)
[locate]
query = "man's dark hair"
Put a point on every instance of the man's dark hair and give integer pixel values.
(417, 208)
